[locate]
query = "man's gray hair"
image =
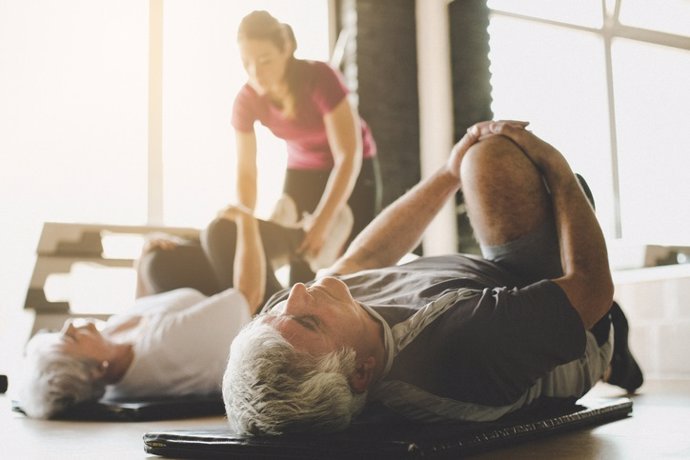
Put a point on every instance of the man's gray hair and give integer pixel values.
(271, 388)
(53, 380)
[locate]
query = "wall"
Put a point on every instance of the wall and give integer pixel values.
(655, 301)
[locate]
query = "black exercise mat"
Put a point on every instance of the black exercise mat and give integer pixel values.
(394, 440)
(142, 410)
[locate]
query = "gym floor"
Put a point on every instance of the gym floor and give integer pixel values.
(657, 429)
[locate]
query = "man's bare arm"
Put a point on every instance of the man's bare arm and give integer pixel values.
(587, 277)
(399, 228)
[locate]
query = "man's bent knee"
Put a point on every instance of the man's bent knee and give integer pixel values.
(491, 155)
(503, 191)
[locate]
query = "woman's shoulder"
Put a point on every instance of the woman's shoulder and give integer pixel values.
(323, 81)
(318, 69)
(246, 108)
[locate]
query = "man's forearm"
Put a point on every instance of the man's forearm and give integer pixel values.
(582, 244)
(399, 228)
(586, 276)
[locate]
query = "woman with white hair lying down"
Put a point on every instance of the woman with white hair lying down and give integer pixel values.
(168, 344)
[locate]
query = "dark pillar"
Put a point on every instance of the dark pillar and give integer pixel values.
(469, 42)
(382, 65)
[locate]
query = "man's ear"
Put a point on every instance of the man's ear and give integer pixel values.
(99, 372)
(363, 375)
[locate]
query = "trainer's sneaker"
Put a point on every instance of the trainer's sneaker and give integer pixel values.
(625, 372)
(333, 246)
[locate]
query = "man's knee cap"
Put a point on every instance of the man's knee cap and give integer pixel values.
(489, 154)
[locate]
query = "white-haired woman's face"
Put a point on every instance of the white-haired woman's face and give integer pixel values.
(85, 341)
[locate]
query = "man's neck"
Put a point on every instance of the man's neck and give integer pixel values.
(376, 344)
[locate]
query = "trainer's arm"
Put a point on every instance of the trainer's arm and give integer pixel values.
(587, 278)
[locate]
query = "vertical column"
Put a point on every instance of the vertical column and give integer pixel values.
(435, 112)
(155, 128)
(469, 38)
(382, 62)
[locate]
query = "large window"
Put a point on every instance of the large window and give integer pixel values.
(606, 83)
(73, 140)
(74, 115)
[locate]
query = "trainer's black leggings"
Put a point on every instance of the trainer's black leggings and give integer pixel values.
(306, 188)
(207, 265)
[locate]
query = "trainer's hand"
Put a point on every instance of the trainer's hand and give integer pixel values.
(474, 134)
(315, 233)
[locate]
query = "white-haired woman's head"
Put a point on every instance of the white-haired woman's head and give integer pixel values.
(54, 381)
(270, 388)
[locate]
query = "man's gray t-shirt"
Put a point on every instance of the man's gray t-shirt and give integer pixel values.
(471, 340)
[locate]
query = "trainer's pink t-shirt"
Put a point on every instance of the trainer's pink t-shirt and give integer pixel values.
(307, 142)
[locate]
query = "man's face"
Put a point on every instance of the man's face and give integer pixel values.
(320, 318)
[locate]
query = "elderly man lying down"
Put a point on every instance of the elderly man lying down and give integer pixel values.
(451, 337)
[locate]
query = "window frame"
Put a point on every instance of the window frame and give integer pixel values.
(610, 30)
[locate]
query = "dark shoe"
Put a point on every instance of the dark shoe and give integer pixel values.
(586, 189)
(625, 372)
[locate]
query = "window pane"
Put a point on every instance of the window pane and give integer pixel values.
(554, 78)
(73, 95)
(586, 13)
(671, 16)
(202, 73)
(652, 115)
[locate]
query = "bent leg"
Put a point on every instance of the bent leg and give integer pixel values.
(575, 378)
(185, 265)
(219, 242)
(510, 210)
